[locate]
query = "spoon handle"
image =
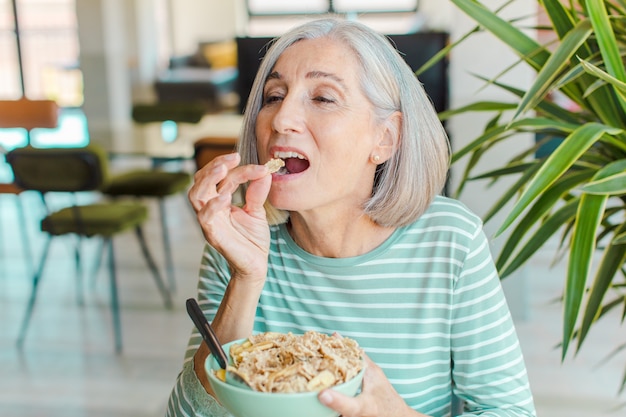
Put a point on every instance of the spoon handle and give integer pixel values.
(205, 329)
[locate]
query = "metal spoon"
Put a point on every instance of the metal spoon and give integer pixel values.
(205, 329)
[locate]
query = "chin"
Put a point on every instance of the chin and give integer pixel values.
(286, 203)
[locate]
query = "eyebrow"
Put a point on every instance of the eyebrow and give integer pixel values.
(275, 75)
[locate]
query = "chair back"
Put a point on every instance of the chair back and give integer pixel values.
(59, 169)
(28, 114)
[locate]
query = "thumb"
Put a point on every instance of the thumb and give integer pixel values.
(344, 405)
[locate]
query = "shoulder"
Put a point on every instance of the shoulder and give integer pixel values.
(445, 211)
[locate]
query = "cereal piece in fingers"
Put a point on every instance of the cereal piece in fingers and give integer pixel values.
(273, 165)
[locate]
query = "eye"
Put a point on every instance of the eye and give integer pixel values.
(324, 99)
(271, 98)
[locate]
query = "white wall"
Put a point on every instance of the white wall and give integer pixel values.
(207, 20)
(103, 60)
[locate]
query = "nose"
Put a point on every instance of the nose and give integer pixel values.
(289, 116)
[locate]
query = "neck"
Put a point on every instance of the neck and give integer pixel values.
(337, 236)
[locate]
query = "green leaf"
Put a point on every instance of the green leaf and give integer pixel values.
(620, 239)
(526, 47)
(557, 163)
(612, 260)
(529, 124)
(619, 86)
(596, 71)
(613, 185)
(588, 219)
(611, 180)
(541, 207)
(557, 62)
(606, 38)
(492, 134)
(561, 18)
(540, 236)
(545, 107)
(478, 107)
(590, 215)
(506, 196)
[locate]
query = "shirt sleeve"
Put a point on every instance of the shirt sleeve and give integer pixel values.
(488, 367)
(188, 397)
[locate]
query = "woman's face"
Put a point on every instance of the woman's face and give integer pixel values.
(315, 117)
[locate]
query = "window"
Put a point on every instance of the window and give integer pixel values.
(273, 17)
(47, 32)
(9, 68)
(279, 7)
(286, 7)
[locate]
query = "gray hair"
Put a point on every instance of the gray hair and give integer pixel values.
(405, 185)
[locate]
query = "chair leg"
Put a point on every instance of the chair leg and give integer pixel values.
(115, 304)
(153, 267)
(78, 268)
(25, 239)
(169, 261)
(33, 294)
(97, 263)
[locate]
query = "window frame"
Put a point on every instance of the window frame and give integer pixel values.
(330, 10)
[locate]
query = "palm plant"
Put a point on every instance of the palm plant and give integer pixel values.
(578, 191)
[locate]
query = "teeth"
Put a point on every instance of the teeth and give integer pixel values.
(285, 155)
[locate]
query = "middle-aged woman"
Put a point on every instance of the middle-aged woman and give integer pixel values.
(352, 236)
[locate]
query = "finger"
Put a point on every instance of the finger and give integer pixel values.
(208, 177)
(214, 219)
(204, 186)
(256, 194)
(241, 175)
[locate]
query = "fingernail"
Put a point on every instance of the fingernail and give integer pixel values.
(230, 156)
(325, 397)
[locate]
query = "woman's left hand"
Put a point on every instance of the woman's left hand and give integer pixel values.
(378, 398)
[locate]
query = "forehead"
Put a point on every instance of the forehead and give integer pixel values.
(321, 54)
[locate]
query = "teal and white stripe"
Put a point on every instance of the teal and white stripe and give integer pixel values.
(425, 305)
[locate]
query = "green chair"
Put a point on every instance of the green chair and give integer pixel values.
(76, 170)
(28, 115)
(156, 182)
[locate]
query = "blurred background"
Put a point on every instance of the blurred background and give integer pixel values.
(100, 59)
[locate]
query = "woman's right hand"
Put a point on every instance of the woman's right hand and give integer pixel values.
(241, 235)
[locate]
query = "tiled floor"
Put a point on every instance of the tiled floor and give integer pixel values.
(67, 366)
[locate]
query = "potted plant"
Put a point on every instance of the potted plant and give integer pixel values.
(576, 192)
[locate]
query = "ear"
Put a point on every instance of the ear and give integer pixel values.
(389, 140)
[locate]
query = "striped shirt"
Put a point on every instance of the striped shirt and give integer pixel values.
(426, 306)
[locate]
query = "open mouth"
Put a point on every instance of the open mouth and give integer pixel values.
(294, 162)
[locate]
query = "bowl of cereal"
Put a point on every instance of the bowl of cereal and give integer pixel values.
(285, 372)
